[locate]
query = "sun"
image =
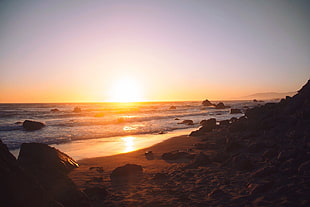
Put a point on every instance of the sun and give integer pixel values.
(126, 89)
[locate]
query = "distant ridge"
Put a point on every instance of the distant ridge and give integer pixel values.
(269, 95)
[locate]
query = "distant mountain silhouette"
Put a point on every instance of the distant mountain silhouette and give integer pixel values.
(269, 95)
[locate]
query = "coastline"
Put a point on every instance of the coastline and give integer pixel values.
(83, 176)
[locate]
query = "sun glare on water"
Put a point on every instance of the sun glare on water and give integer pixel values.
(126, 90)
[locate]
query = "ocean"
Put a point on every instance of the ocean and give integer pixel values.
(105, 121)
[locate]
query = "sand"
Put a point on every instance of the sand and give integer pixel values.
(83, 176)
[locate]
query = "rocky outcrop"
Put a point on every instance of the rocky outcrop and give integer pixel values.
(221, 105)
(207, 103)
(50, 167)
(32, 125)
(18, 188)
(207, 126)
(42, 156)
(77, 109)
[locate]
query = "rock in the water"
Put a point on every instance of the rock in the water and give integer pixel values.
(55, 110)
(207, 103)
(127, 173)
(220, 106)
(77, 109)
(32, 125)
(19, 188)
(45, 157)
(188, 122)
(235, 111)
(172, 107)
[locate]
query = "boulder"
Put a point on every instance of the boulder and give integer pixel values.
(224, 122)
(32, 125)
(207, 103)
(235, 111)
(187, 121)
(18, 188)
(55, 110)
(127, 173)
(77, 109)
(211, 122)
(172, 107)
(50, 167)
(220, 106)
(42, 156)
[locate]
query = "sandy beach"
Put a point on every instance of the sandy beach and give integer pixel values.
(83, 176)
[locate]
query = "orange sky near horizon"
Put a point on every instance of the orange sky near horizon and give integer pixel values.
(96, 51)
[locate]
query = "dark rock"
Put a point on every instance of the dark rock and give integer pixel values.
(18, 188)
(172, 107)
(127, 173)
(55, 110)
(210, 122)
(18, 122)
(233, 119)
(235, 111)
(207, 103)
(149, 155)
(176, 155)
(196, 133)
(96, 193)
(77, 109)
(50, 167)
(208, 126)
(32, 125)
(224, 123)
(220, 106)
(176, 119)
(37, 155)
(188, 122)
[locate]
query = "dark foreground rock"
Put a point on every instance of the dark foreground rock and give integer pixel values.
(32, 125)
(50, 167)
(18, 188)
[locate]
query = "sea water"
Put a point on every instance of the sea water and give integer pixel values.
(149, 122)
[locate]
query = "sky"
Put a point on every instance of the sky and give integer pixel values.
(163, 50)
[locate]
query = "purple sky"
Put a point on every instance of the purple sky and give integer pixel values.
(58, 51)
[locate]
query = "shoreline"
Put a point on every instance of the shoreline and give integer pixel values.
(84, 175)
(92, 148)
